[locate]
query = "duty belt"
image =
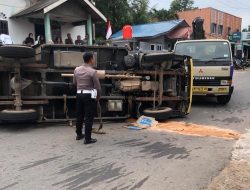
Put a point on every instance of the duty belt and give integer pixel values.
(84, 91)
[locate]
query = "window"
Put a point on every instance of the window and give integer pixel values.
(4, 27)
(156, 47)
(205, 51)
(220, 29)
(152, 47)
(214, 28)
(159, 47)
(228, 30)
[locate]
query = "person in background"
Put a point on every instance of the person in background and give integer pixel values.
(58, 40)
(79, 41)
(88, 93)
(29, 40)
(86, 39)
(69, 40)
(41, 40)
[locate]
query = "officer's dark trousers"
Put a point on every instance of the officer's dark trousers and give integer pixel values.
(86, 109)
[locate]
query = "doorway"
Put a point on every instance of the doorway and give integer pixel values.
(55, 30)
(39, 30)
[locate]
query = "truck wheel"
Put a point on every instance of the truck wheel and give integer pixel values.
(160, 114)
(23, 116)
(17, 51)
(222, 100)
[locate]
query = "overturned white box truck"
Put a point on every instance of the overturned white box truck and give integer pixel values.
(36, 84)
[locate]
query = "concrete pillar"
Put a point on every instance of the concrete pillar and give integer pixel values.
(93, 32)
(90, 30)
(47, 26)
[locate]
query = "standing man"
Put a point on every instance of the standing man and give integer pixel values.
(88, 93)
(68, 40)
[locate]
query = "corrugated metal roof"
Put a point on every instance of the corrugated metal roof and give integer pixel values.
(152, 29)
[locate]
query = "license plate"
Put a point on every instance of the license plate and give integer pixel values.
(222, 90)
(200, 89)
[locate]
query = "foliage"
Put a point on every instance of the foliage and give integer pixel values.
(175, 7)
(117, 11)
(122, 12)
(139, 11)
(246, 29)
(161, 15)
(181, 5)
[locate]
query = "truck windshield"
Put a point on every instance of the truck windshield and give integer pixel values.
(206, 52)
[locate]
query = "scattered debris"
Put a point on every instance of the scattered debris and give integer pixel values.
(197, 130)
(142, 123)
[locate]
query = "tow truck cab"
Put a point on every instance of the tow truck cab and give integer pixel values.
(213, 67)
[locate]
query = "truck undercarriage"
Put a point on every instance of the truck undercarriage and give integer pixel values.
(36, 85)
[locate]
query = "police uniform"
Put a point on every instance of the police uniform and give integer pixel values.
(87, 83)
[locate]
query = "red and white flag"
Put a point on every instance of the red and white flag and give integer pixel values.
(109, 31)
(188, 34)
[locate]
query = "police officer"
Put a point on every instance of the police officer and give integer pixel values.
(88, 93)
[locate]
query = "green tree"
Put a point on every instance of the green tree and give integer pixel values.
(246, 29)
(139, 11)
(181, 5)
(117, 11)
(161, 15)
(175, 7)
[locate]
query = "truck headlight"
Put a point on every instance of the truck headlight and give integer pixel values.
(225, 82)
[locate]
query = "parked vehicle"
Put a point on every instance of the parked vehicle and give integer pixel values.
(240, 63)
(213, 67)
(40, 88)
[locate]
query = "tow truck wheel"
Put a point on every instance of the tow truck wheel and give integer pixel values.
(160, 114)
(223, 99)
(17, 51)
(14, 116)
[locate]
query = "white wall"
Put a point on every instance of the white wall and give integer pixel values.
(18, 28)
(73, 30)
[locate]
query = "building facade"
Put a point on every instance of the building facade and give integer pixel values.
(18, 18)
(217, 24)
(20, 29)
(158, 36)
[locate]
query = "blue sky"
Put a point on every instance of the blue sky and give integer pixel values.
(239, 8)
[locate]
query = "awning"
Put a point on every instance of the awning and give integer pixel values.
(63, 10)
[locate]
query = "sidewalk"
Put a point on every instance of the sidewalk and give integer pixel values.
(236, 176)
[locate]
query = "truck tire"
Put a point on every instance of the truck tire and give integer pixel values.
(23, 116)
(160, 114)
(17, 51)
(223, 100)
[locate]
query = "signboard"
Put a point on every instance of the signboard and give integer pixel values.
(235, 37)
(245, 36)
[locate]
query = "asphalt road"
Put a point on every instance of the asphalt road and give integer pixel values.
(48, 157)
